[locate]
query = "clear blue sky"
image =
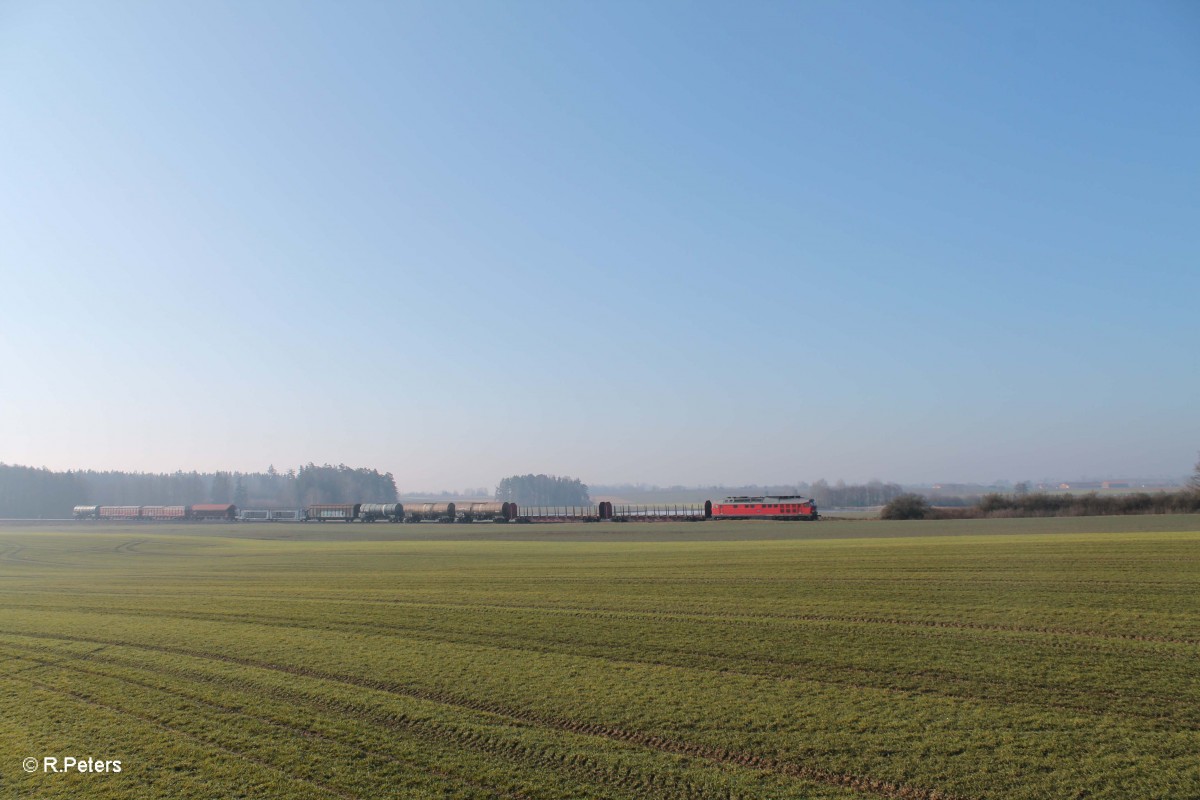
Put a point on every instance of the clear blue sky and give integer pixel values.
(671, 242)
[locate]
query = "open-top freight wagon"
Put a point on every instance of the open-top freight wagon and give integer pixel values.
(218, 511)
(272, 515)
(325, 512)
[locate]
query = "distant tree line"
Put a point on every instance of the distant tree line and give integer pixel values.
(1040, 504)
(342, 484)
(471, 493)
(31, 493)
(543, 490)
(843, 495)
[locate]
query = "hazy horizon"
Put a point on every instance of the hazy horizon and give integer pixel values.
(417, 490)
(671, 243)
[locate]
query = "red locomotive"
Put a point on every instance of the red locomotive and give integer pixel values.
(768, 507)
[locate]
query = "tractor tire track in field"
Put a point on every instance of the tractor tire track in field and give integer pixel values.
(904, 628)
(68, 661)
(856, 619)
(988, 689)
(915, 628)
(640, 783)
(1167, 709)
(859, 783)
(887, 681)
(11, 554)
(181, 733)
(721, 618)
(1004, 692)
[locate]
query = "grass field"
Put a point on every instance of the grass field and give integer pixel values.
(1053, 658)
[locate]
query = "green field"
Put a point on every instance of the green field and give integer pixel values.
(1054, 658)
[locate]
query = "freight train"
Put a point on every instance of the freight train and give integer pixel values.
(321, 512)
(770, 507)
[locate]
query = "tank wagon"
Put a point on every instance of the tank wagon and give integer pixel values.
(86, 512)
(494, 512)
(778, 507)
(371, 512)
(430, 512)
(343, 512)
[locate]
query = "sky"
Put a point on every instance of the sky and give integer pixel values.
(671, 242)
